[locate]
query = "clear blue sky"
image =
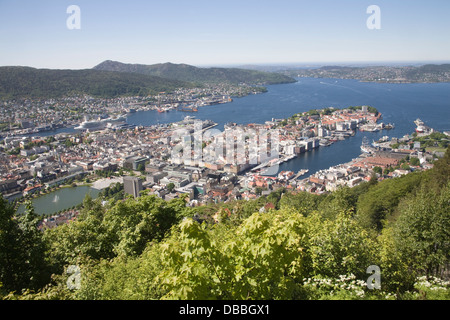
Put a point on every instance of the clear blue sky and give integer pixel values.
(210, 32)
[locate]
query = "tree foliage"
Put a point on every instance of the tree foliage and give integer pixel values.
(422, 232)
(379, 202)
(188, 73)
(282, 246)
(22, 258)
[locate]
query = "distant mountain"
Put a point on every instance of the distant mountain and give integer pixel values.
(406, 74)
(26, 82)
(433, 72)
(188, 73)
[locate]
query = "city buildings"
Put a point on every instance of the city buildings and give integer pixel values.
(234, 164)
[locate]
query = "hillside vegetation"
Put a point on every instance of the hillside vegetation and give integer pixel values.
(114, 79)
(188, 73)
(301, 246)
(25, 82)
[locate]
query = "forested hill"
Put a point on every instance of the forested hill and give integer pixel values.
(26, 82)
(188, 73)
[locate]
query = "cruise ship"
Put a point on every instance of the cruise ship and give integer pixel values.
(325, 143)
(365, 146)
(366, 149)
(100, 124)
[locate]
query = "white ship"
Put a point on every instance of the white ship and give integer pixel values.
(365, 146)
(325, 143)
(100, 124)
(366, 149)
(421, 127)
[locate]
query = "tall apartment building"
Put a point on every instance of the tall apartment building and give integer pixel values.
(132, 185)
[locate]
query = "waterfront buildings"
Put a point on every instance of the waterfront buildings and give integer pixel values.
(215, 173)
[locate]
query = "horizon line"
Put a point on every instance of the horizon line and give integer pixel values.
(268, 64)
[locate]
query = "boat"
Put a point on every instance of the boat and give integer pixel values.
(188, 109)
(421, 127)
(325, 143)
(99, 124)
(365, 146)
(366, 149)
(371, 127)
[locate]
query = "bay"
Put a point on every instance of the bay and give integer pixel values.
(400, 104)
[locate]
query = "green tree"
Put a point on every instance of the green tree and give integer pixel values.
(9, 246)
(22, 250)
(405, 166)
(441, 171)
(378, 170)
(141, 168)
(378, 204)
(260, 259)
(171, 186)
(422, 230)
(396, 270)
(124, 228)
(414, 161)
(338, 247)
(343, 199)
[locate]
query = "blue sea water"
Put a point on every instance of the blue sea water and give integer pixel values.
(400, 104)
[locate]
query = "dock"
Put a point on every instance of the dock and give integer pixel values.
(301, 173)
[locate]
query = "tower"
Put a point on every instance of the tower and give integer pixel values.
(132, 185)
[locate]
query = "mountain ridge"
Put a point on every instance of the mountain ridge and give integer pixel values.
(189, 73)
(28, 82)
(112, 79)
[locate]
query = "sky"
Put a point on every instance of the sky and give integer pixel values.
(209, 32)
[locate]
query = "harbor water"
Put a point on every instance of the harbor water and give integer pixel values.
(400, 104)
